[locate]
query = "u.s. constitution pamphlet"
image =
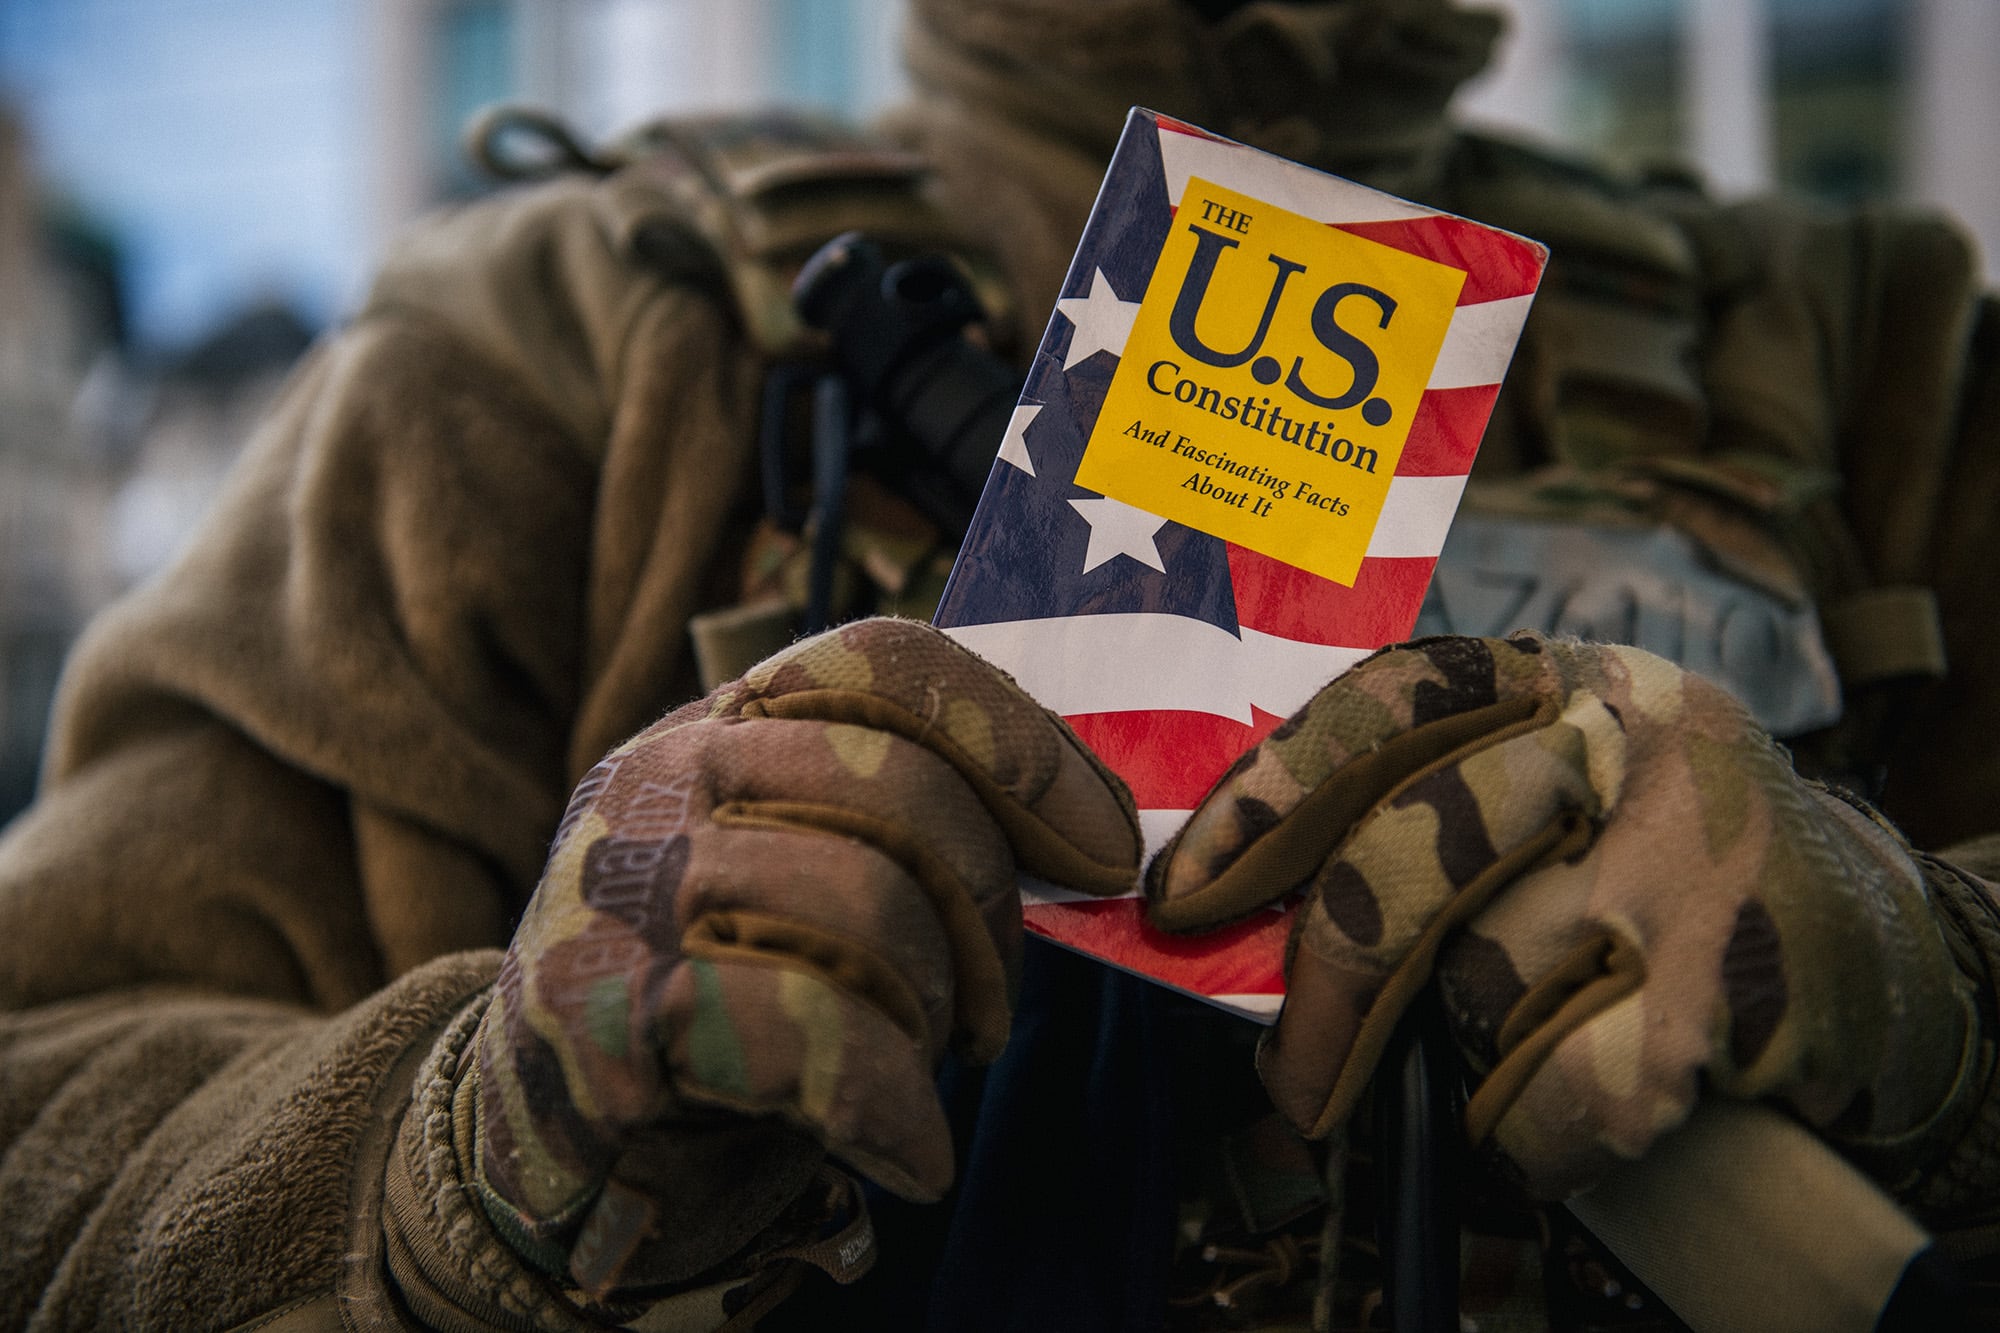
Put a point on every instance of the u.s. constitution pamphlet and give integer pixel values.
(1232, 468)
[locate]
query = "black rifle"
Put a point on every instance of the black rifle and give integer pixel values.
(910, 400)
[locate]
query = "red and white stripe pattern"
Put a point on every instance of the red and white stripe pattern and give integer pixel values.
(1190, 697)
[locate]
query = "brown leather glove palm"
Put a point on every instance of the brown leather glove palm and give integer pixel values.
(1626, 894)
(781, 902)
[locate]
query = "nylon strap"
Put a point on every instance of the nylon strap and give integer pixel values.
(1885, 633)
(1743, 1222)
(760, 192)
(730, 641)
(316, 1314)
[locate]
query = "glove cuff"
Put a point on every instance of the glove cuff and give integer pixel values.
(454, 1254)
(447, 1258)
(1959, 1183)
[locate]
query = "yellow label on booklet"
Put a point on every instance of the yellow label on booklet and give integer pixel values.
(1270, 380)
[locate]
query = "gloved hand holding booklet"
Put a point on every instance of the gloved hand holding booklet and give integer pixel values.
(1232, 468)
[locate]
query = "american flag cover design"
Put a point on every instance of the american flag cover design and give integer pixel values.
(1232, 468)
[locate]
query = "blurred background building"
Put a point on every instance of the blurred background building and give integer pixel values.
(191, 189)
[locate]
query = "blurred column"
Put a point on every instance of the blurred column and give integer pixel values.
(548, 55)
(635, 59)
(1527, 89)
(1726, 92)
(398, 70)
(1954, 115)
(655, 56)
(636, 63)
(879, 80)
(735, 49)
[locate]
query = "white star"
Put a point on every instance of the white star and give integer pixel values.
(1116, 528)
(1014, 442)
(1102, 321)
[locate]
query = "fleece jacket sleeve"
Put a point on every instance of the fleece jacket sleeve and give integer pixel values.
(299, 784)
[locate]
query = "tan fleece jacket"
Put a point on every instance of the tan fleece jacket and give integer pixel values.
(330, 746)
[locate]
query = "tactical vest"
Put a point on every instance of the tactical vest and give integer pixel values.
(1723, 371)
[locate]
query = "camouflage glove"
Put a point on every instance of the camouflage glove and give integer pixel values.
(763, 920)
(1626, 894)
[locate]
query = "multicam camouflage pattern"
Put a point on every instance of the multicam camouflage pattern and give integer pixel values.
(785, 899)
(1624, 890)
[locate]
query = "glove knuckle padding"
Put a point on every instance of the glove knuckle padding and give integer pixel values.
(1628, 894)
(856, 808)
(843, 908)
(1273, 818)
(1421, 862)
(1067, 816)
(787, 899)
(1773, 943)
(820, 1055)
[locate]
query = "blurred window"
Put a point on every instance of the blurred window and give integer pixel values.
(1626, 78)
(475, 67)
(808, 30)
(1833, 88)
(1836, 97)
